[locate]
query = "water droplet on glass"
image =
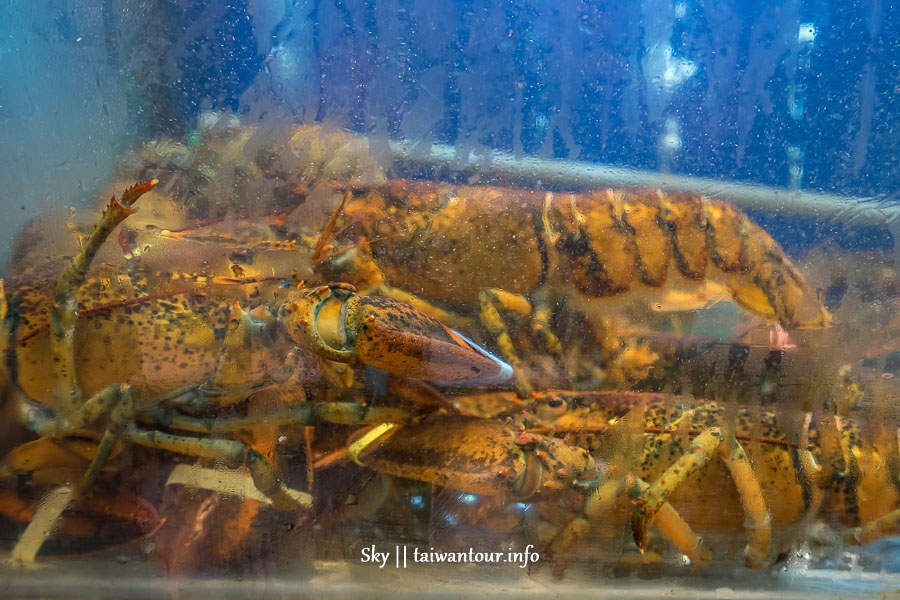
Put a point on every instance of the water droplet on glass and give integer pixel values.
(585, 26)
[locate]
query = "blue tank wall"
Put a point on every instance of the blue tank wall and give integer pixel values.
(752, 91)
(792, 93)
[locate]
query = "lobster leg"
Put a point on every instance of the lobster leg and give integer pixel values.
(670, 523)
(121, 399)
(887, 524)
(540, 323)
(675, 528)
(604, 500)
(340, 413)
(707, 445)
(230, 452)
(34, 459)
(599, 504)
(492, 301)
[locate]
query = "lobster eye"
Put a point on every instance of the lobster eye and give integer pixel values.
(552, 409)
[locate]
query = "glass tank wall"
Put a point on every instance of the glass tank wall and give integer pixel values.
(402, 297)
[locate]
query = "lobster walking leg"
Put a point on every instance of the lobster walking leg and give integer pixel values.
(231, 452)
(492, 301)
(670, 523)
(599, 504)
(121, 399)
(874, 530)
(339, 413)
(680, 534)
(707, 445)
(540, 323)
(603, 501)
(758, 522)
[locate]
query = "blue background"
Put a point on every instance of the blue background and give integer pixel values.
(730, 90)
(572, 79)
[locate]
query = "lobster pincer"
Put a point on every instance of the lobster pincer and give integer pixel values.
(339, 324)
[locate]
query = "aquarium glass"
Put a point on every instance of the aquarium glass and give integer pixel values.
(405, 298)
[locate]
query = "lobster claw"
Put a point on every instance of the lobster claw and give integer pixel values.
(341, 325)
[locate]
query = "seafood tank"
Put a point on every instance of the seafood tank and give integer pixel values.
(418, 299)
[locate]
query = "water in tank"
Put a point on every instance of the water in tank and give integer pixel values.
(397, 298)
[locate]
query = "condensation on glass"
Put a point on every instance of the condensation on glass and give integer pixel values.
(426, 297)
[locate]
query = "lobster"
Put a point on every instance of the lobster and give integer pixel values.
(95, 352)
(691, 456)
(522, 251)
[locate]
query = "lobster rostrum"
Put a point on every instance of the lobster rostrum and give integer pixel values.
(96, 352)
(520, 251)
(690, 471)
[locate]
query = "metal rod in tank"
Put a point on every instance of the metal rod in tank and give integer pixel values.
(563, 174)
